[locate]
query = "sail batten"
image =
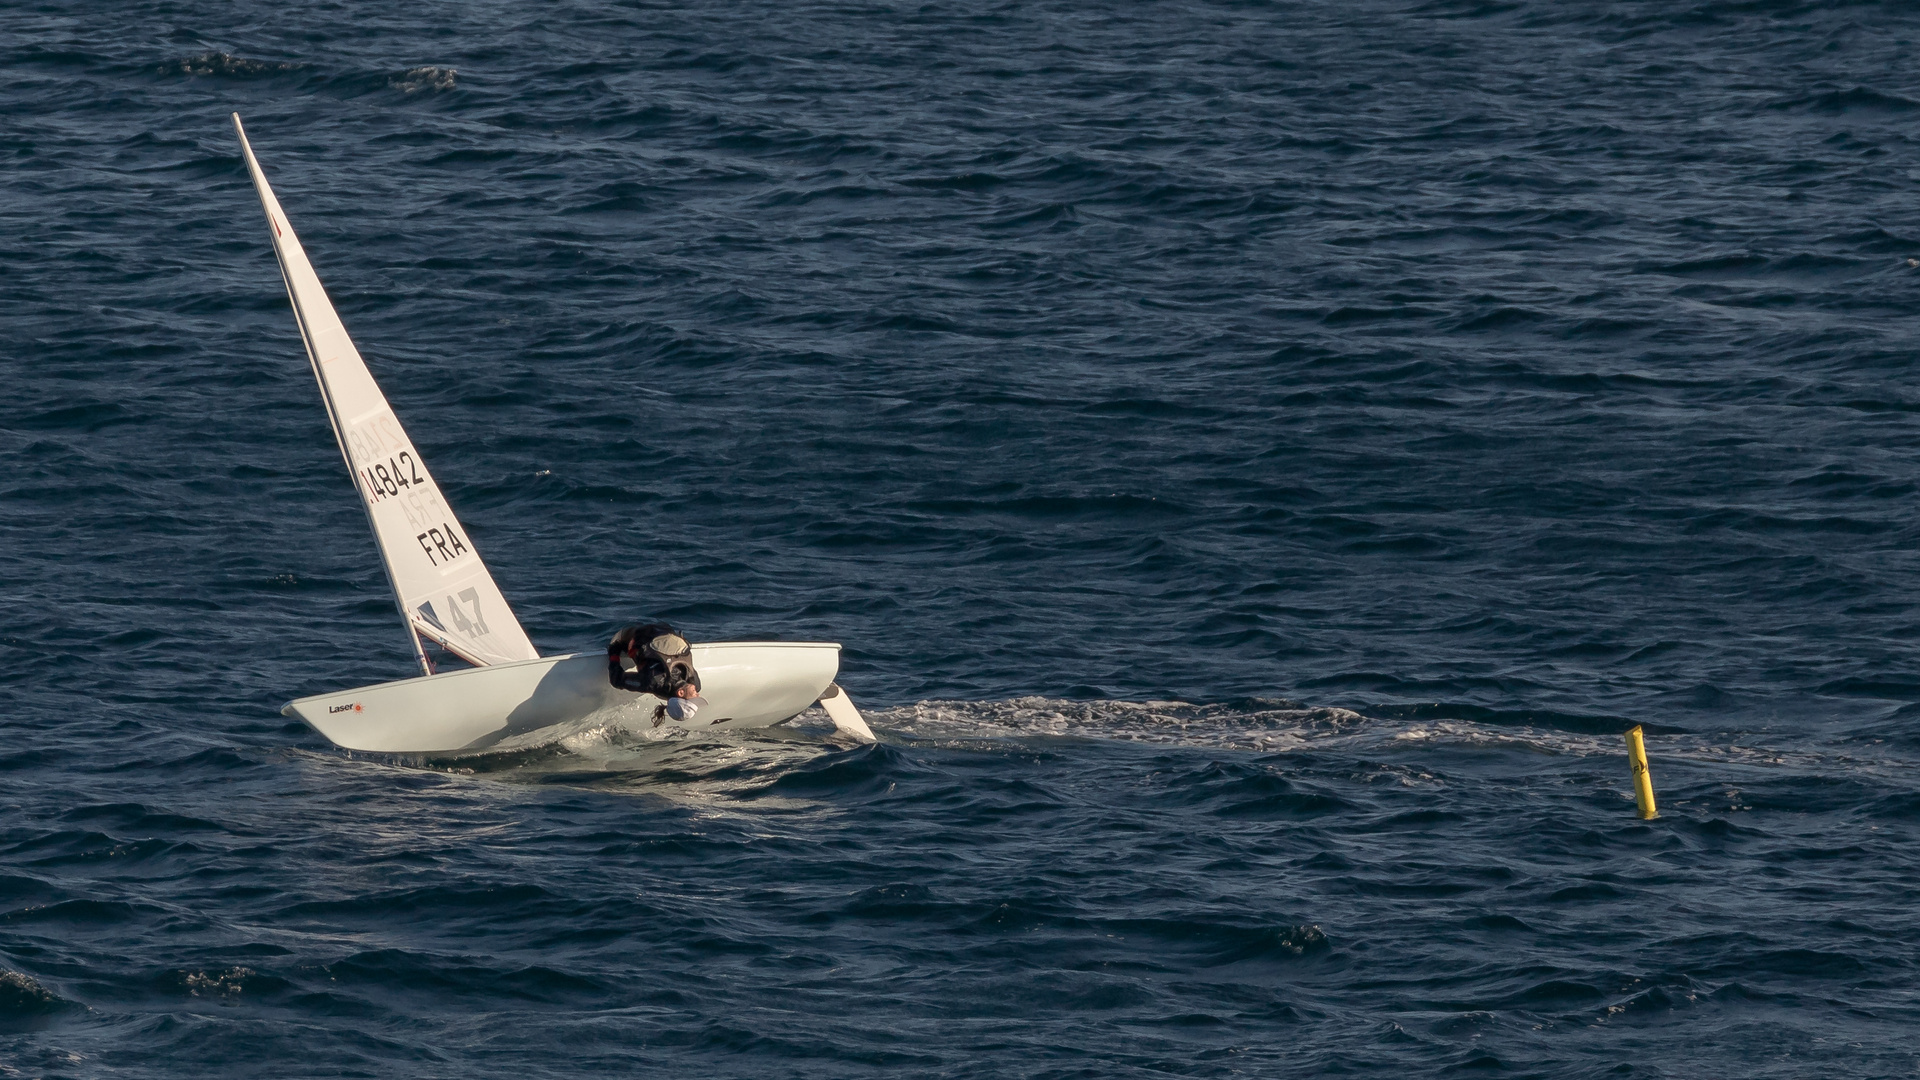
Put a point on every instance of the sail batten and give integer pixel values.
(443, 590)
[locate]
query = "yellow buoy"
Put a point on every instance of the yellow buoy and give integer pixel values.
(1642, 783)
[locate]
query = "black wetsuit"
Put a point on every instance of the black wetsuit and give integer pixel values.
(653, 676)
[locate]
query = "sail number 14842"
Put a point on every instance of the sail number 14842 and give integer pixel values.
(384, 481)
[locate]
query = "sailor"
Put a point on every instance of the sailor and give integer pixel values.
(654, 659)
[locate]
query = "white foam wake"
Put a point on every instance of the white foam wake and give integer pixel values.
(1258, 726)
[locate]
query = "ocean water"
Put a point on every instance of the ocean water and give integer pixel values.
(1259, 458)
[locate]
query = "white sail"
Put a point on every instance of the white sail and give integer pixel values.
(444, 591)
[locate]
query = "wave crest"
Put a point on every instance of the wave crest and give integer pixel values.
(414, 80)
(227, 65)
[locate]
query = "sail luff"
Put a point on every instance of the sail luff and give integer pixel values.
(399, 495)
(313, 364)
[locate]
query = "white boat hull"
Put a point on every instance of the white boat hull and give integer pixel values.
(746, 684)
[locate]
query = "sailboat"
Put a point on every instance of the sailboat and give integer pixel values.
(511, 695)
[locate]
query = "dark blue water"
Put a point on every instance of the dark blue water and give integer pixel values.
(1259, 460)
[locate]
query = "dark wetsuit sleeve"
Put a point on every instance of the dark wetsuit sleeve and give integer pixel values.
(616, 649)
